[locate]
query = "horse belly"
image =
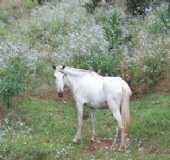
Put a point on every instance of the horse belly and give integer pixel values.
(92, 92)
(96, 98)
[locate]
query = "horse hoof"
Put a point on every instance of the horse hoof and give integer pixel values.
(122, 149)
(93, 139)
(113, 148)
(76, 141)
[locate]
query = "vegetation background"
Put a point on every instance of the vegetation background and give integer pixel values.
(127, 38)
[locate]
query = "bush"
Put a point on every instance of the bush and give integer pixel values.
(146, 72)
(46, 34)
(113, 30)
(3, 16)
(91, 5)
(161, 21)
(12, 10)
(105, 64)
(102, 41)
(3, 29)
(42, 77)
(138, 7)
(29, 4)
(13, 80)
(154, 66)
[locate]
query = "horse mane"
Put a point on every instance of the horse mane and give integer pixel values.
(78, 72)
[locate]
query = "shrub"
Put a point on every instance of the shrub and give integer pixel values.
(42, 74)
(29, 4)
(161, 20)
(13, 80)
(91, 5)
(36, 35)
(105, 64)
(3, 29)
(138, 7)
(3, 16)
(61, 30)
(162, 23)
(46, 34)
(154, 66)
(113, 29)
(145, 72)
(102, 41)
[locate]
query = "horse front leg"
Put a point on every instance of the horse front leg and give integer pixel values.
(80, 123)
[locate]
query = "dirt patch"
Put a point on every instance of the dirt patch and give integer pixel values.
(100, 144)
(105, 145)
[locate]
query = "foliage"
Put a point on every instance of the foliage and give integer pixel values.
(42, 76)
(46, 34)
(12, 10)
(91, 5)
(105, 64)
(3, 16)
(29, 4)
(138, 7)
(3, 29)
(145, 72)
(13, 80)
(154, 67)
(56, 32)
(160, 21)
(113, 29)
(107, 41)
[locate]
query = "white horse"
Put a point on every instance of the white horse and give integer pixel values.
(88, 87)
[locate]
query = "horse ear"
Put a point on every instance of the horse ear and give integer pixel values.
(54, 67)
(63, 66)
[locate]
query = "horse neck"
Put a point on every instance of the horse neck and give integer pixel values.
(70, 81)
(72, 77)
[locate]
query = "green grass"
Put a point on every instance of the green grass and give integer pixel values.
(43, 130)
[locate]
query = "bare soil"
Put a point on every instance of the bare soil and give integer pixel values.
(100, 144)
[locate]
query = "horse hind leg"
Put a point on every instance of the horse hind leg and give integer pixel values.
(115, 109)
(116, 138)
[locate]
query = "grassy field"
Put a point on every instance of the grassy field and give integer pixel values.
(43, 130)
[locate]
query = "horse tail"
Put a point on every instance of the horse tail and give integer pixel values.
(125, 114)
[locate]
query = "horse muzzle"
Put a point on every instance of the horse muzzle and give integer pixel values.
(60, 94)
